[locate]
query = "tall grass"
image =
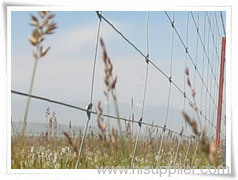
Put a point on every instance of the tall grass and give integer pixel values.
(61, 153)
(208, 147)
(42, 27)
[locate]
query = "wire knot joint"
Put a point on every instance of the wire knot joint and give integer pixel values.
(164, 128)
(89, 110)
(172, 24)
(99, 14)
(147, 59)
(170, 79)
(140, 121)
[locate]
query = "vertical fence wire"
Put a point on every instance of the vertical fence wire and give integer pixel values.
(215, 61)
(203, 61)
(223, 23)
(145, 88)
(171, 70)
(183, 124)
(169, 92)
(194, 79)
(213, 57)
(185, 66)
(89, 107)
(207, 74)
(203, 44)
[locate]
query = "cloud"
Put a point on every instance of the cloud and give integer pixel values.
(72, 40)
(60, 78)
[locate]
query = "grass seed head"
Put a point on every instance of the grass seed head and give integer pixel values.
(187, 71)
(192, 123)
(101, 125)
(42, 26)
(109, 80)
(71, 142)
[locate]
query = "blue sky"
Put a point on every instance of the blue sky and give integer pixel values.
(65, 73)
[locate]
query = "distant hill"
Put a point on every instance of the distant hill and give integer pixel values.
(34, 128)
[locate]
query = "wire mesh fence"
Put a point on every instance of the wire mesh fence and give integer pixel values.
(155, 84)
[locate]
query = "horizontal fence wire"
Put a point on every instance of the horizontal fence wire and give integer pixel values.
(94, 112)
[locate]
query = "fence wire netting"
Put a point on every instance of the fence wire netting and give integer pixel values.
(150, 53)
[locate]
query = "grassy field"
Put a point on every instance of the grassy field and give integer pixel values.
(61, 153)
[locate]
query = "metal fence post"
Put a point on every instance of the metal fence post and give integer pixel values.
(219, 110)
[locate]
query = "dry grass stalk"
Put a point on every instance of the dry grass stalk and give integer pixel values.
(132, 115)
(206, 146)
(150, 131)
(109, 80)
(128, 129)
(114, 137)
(42, 27)
(101, 125)
(72, 143)
(193, 91)
(52, 123)
(192, 123)
(110, 83)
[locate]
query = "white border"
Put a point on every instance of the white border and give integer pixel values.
(228, 66)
